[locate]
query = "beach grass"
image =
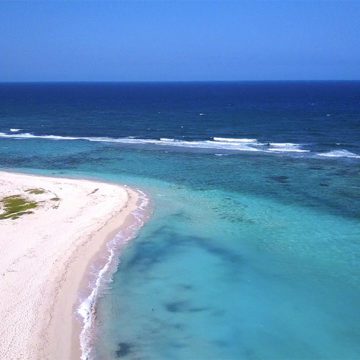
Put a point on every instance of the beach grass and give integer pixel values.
(15, 206)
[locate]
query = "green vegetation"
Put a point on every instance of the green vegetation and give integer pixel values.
(15, 206)
(36, 191)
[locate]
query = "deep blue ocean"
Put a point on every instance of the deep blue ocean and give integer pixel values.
(252, 250)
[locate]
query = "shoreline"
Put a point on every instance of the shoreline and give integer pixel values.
(102, 267)
(77, 270)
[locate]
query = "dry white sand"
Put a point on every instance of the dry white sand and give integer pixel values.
(44, 257)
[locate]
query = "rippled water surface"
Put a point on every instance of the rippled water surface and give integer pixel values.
(248, 254)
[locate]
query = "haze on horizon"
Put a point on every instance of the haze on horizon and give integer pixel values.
(179, 40)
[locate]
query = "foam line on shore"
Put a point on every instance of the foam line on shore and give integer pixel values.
(103, 275)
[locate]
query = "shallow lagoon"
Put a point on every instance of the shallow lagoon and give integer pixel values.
(226, 276)
(240, 259)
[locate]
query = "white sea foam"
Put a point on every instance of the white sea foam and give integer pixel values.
(217, 143)
(14, 130)
(235, 140)
(340, 154)
(32, 136)
(168, 139)
(286, 147)
(87, 307)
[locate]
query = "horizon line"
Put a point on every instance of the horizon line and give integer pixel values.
(166, 81)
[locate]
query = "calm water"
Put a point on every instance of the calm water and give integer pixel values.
(253, 248)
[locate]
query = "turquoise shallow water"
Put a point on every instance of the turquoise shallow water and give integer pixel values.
(252, 250)
(245, 257)
(263, 281)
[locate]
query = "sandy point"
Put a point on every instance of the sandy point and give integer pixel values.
(51, 230)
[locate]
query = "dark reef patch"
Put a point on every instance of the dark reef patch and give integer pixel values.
(182, 306)
(176, 306)
(282, 179)
(147, 254)
(180, 327)
(124, 349)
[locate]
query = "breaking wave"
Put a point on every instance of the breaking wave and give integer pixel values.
(216, 143)
(340, 154)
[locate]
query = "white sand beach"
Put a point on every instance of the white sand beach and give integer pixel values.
(44, 258)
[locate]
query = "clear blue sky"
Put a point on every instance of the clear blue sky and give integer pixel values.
(179, 40)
